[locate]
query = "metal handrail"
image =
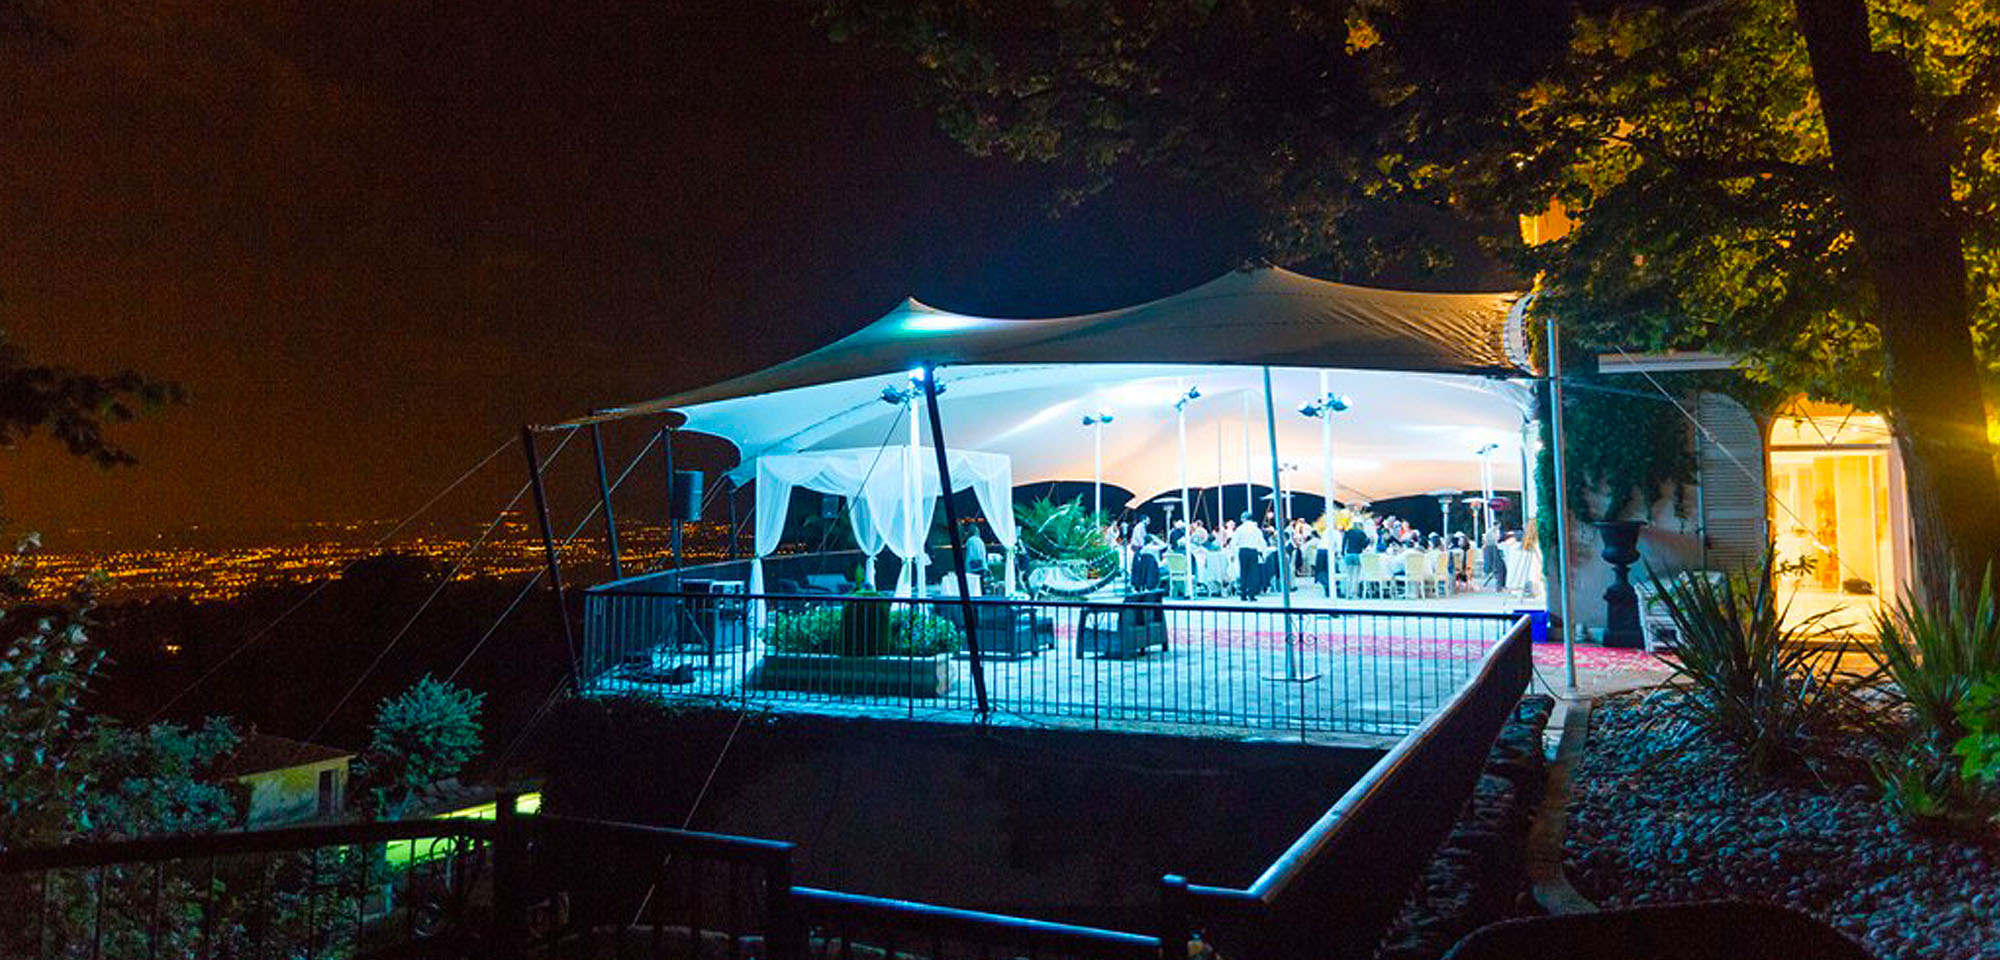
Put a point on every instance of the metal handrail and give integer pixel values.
(1264, 911)
(1271, 884)
(204, 845)
(819, 905)
(709, 846)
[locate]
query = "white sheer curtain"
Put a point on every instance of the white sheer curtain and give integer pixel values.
(871, 479)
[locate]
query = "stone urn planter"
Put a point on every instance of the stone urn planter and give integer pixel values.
(1621, 602)
(916, 677)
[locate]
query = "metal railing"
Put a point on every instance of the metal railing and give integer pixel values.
(1138, 659)
(1336, 890)
(556, 886)
(450, 888)
(842, 922)
(412, 887)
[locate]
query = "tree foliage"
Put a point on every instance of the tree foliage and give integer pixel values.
(421, 736)
(1810, 185)
(1684, 142)
(65, 774)
(73, 407)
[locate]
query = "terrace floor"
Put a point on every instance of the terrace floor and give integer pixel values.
(1366, 673)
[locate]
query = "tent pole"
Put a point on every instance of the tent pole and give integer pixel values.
(1187, 514)
(910, 526)
(1249, 498)
(673, 500)
(1562, 501)
(604, 495)
(549, 549)
(1292, 666)
(967, 610)
(1097, 469)
(1326, 458)
(733, 491)
(1329, 530)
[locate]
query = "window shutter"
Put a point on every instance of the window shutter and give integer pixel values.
(1731, 459)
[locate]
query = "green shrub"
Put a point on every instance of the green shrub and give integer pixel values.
(1915, 790)
(812, 630)
(421, 736)
(927, 635)
(1749, 677)
(863, 628)
(1979, 749)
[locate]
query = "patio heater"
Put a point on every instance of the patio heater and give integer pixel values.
(1096, 422)
(1444, 499)
(1190, 395)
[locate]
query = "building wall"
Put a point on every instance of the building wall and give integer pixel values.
(1669, 542)
(1729, 504)
(291, 795)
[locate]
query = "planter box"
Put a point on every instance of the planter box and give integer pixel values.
(919, 677)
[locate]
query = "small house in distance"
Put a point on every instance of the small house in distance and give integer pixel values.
(288, 781)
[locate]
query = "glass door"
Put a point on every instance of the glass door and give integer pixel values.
(1830, 518)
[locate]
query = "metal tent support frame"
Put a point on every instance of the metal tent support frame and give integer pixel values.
(1293, 671)
(549, 550)
(604, 493)
(1562, 502)
(967, 609)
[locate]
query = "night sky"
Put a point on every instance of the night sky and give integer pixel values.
(374, 238)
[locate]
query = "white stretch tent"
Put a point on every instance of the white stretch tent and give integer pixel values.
(1423, 370)
(892, 497)
(1257, 320)
(1258, 315)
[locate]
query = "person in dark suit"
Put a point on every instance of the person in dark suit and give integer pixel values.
(1353, 543)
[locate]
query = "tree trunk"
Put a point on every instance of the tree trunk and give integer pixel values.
(1896, 185)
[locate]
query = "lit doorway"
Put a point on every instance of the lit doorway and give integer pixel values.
(1836, 526)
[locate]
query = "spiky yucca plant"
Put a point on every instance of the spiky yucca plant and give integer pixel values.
(1934, 652)
(1748, 677)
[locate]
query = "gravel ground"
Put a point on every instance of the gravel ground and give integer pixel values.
(1650, 823)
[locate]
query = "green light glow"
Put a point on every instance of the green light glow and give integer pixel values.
(400, 853)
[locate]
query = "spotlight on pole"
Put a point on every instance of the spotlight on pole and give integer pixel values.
(1192, 394)
(1097, 419)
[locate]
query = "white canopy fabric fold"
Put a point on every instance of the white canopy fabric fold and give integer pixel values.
(892, 498)
(1406, 433)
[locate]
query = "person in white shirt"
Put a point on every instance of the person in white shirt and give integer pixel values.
(1250, 547)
